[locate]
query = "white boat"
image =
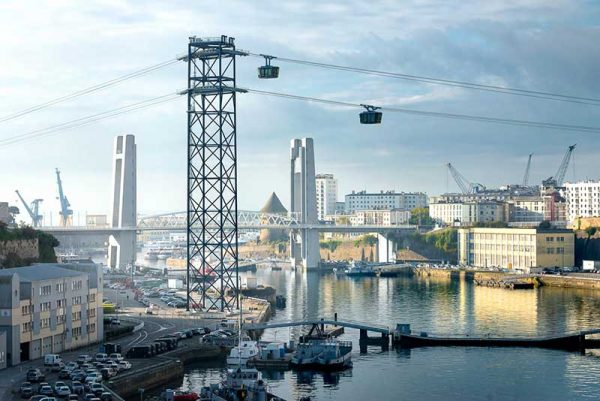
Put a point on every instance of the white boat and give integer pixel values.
(327, 354)
(240, 354)
(359, 270)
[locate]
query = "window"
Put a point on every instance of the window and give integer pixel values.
(91, 328)
(560, 250)
(76, 285)
(27, 327)
(45, 323)
(60, 288)
(61, 303)
(76, 332)
(76, 316)
(45, 290)
(550, 251)
(26, 310)
(45, 306)
(77, 300)
(91, 298)
(92, 312)
(60, 319)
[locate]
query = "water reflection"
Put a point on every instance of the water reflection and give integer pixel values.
(441, 306)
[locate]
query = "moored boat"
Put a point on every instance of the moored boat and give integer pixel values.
(327, 354)
(359, 270)
(244, 351)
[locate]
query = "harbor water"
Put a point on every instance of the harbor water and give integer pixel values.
(437, 306)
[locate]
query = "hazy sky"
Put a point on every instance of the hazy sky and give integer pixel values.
(52, 48)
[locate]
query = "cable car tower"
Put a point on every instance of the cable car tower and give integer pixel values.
(212, 222)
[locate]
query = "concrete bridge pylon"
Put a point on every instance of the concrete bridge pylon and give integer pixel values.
(304, 243)
(121, 244)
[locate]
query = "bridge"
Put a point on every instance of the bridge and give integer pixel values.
(247, 220)
(363, 327)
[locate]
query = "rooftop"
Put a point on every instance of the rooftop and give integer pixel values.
(39, 272)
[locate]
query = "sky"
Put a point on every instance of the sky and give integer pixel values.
(57, 47)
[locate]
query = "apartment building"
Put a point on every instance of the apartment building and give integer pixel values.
(516, 248)
(583, 199)
(467, 213)
(327, 192)
(380, 217)
(384, 200)
(49, 308)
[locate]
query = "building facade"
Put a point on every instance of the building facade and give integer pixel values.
(49, 308)
(516, 248)
(467, 213)
(384, 200)
(380, 217)
(583, 199)
(327, 193)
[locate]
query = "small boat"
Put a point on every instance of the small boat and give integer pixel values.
(275, 266)
(240, 354)
(327, 354)
(185, 396)
(359, 270)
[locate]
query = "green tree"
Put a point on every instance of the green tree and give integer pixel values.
(420, 216)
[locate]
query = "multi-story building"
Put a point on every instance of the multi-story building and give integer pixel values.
(49, 308)
(550, 207)
(467, 213)
(384, 200)
(583, 199)
(327, 191)
(340, 207)
(380, 217)
(516, 248)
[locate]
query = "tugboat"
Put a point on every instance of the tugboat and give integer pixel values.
(326, 354)
(359, 270)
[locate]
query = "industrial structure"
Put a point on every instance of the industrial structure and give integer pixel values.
(121, 244)
(212, 222)
(33, 210)
(66, 214)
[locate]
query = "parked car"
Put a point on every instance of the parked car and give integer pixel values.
(81, 359)
(46, 390)
(26, 390)
(77, 387)
(63, 391)
(35, 376)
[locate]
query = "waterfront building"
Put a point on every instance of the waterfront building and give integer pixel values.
(384, 200)
(380, 217)
(516, 248)
(467, 213)
(49, 308)
(327, 192)
(583, 199)
(340, 207)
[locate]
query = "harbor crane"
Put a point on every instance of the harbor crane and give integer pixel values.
(526, 176)
(465, 185)
(33, 210)
(66, 213)
(557, 179)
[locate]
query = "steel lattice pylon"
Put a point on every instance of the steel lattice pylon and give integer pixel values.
(212, 223)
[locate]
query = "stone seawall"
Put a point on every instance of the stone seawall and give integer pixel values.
(547, 280)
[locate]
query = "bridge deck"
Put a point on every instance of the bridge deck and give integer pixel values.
(309, 322)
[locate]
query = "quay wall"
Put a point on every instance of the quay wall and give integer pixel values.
(160, 370)
(568, 281)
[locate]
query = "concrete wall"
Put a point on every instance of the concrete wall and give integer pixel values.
(23, 248)
(3, 353)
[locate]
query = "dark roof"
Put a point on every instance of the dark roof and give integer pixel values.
(273, 205)
(44, 271)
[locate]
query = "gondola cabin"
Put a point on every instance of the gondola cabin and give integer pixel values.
(268, 71)
(370, 115)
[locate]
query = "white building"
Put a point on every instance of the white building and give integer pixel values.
(466, 213)
(583, 199)
(380, 217)
(384, 200)
(327, 190)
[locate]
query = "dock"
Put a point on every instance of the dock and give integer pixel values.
(566, 342)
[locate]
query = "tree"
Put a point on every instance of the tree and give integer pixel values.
(545, 225)
(591, 231)
(420, 216)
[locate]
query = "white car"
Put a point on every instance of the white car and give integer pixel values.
(116, 357)
(81, 359)
(101, 357)
(124, 365)
(62, 391)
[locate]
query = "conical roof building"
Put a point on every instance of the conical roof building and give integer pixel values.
(273, 206)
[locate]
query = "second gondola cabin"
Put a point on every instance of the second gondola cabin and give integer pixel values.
(268, 71)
